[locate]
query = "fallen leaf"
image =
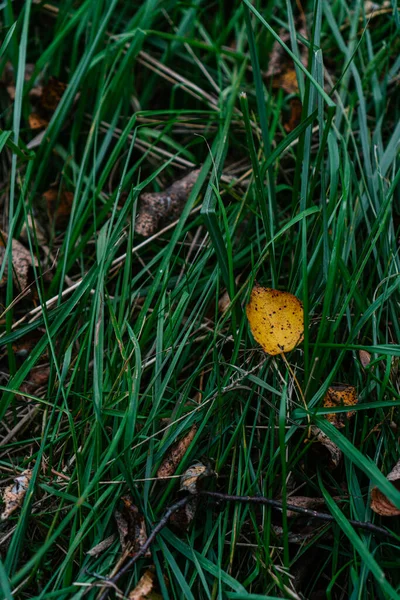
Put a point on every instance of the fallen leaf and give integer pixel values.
(192, 477)
(365, 358)
(21, 261)
(145, 587)
(340, 395)
(131, 527)
(281, 66)
(303, 502)
(46, 103)
(379, 502)
(334, 453)
(276, 319)
(295, 115)
(159, 206)
(8, 78)
(224, 302)
(36, 121)
(182, 518)
(101, 546)
(59, 206)
(13, 495)
(175, 454)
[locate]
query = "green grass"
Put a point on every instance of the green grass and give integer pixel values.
(155, 89)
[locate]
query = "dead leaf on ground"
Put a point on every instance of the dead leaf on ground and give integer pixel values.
(101, 546)
(21, 262)
(276, 319)
(59, 206)
(182, 518)
(281, 66)
(46, 103)
(303, 502)
(340, 395)
(379, 502)
(131, 527)
(157, 207)
(8, 79)
(365, 358)
(334, 453)
(175, 454)
(192, 477)
(145, 587)
(296, 108)
(13, 495)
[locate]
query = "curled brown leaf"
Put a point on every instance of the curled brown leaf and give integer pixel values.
(158, 207)
(175, 454)
(14, 494)
(379, 502)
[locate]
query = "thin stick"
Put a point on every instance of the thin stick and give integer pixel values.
(304, 511)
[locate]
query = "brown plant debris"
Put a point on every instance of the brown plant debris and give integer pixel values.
(281, 67)
(183, 517)
(158, 207)
(303, 502)
(365, 358)
(101, 546)
(340, 395)
(192, 477)
(47, 102)
(334, 453)
(175, 454)
(14, 494)
(379, 502)
(145, 587)
(131, 527)
(21, 262)
(295, 115)
(59, 206)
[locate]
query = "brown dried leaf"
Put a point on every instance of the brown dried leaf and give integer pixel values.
(175, 454)
(295, 115)
(36, 121)
(145, 587)
(379, 502)
(365, 358)
(13, 495)
(161, 206)
(101, 546)
(131, 527)
(281, 66)
(224, 302)
(182, 518)
(192, 477)
(46, 102)
(59, 206)
(276, 319)
(303, 502)
(21, 259)
(334, 453)
(340, 395)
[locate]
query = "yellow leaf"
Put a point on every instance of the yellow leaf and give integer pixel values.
(276, 319)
